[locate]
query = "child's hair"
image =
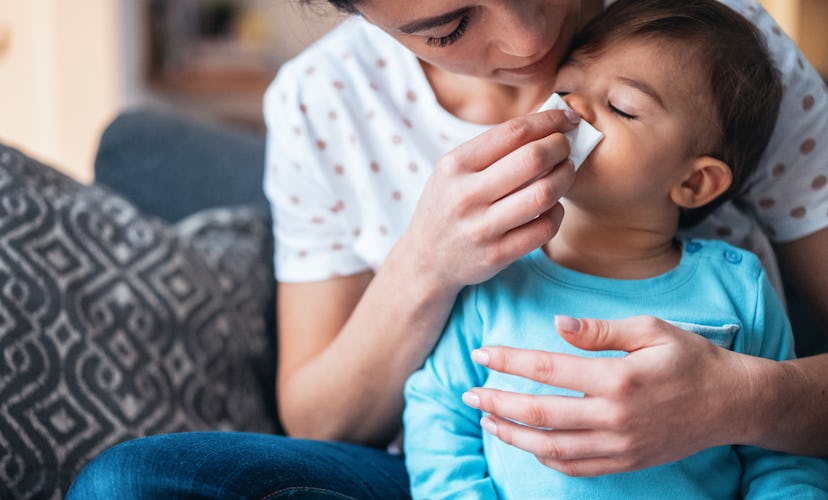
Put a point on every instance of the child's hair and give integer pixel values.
(744, 86)
(347, 6)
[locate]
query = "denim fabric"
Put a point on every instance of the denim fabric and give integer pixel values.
(240, 465)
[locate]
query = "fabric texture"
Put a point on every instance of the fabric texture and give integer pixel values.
(355, 129)
(114, 325)
(152, 157)
(717, 291)
(231, 465)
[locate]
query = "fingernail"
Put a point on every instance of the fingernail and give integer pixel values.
(489, 424)
(480, 357)
(572, 115)
(471, 399)
(567, 324)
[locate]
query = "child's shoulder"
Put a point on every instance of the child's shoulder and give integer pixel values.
(722, 255)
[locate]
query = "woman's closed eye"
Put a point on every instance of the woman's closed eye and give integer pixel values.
(459, 31)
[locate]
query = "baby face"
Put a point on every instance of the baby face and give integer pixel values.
(646, 97)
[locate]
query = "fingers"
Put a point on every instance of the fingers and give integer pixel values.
(590, 376)
(574, 453)
(497, 142)
(549, 412)
(534, 198)
(631, 334)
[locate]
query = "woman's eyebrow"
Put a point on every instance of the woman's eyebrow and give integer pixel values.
(433, 22)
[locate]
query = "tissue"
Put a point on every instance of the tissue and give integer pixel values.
(582, 139)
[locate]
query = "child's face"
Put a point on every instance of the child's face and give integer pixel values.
(645, 97)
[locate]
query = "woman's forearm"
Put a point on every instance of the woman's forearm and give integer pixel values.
(789, 406)
(352, 389)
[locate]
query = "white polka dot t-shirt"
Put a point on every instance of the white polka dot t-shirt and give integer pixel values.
(354, 130)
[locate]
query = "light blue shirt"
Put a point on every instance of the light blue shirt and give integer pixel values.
(717, 290)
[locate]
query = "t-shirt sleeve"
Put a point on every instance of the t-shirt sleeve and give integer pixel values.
(789, 192)
(313, 240)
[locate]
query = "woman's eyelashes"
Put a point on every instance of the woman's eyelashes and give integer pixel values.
(452, 37)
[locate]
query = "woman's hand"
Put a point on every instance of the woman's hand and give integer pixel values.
(673, 395)
(491, 200)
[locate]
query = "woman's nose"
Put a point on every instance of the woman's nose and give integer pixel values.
(522, 32)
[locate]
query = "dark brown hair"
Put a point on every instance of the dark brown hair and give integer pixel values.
(347, 6)
(744, 86)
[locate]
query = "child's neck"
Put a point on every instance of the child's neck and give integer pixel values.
(614, 248)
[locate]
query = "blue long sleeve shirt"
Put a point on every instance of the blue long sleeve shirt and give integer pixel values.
(717, 291)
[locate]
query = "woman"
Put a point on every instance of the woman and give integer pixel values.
(392, 191)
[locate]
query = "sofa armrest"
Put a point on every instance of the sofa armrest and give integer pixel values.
(170, 166)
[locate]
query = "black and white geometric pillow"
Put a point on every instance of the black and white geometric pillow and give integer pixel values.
(114, 325)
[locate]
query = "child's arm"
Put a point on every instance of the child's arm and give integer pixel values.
(770, 474)
(443, 440)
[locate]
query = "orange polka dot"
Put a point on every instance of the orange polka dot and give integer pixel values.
(302, 254)
(396, 139)
(819, 182)
(776, 30)
(336, 246)
(808, 102)
(779, 169)
(381, 63)
(411, 96)
(333, 115)
(800, 63)
(295, 200)
(413, 167)
(303, 108)
(374, 86)
(357, 232)
(339, 169)
(317, 220)
(407, 123)
(375, 167)
(799, 212)
(321, 144)
(396, 195)
(767, 202)
(338, 85)
(807, 146)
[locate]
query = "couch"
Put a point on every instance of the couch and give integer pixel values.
(143, 303)
(138, 305)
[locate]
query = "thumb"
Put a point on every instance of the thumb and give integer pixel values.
(630, 334)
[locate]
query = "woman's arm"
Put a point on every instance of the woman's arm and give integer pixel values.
(346, 346)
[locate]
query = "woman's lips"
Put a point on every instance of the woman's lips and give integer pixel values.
(540, 64)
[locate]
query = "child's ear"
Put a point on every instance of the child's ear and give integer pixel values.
(708, 178)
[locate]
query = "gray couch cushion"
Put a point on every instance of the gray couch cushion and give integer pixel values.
(114, 325)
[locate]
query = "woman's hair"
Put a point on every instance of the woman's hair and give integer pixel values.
(744, 86)
(347, 6)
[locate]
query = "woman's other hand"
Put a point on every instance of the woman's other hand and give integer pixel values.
(673, 395)
(491, 200)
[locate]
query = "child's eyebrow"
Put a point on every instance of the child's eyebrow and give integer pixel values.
(643, 87)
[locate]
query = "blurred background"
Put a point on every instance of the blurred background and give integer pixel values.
(67, 67)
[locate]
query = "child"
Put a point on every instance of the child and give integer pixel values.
(686, 97)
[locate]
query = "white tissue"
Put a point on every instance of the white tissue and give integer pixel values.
(582, 139)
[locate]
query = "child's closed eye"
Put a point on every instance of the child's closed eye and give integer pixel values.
(620, 112)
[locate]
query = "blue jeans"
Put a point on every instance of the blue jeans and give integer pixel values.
(240, 465)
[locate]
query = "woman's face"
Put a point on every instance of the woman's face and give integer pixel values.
(511, 42)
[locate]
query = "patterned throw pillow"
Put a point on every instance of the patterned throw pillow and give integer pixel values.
(114, 325)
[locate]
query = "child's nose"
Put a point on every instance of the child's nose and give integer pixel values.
(580, 104)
